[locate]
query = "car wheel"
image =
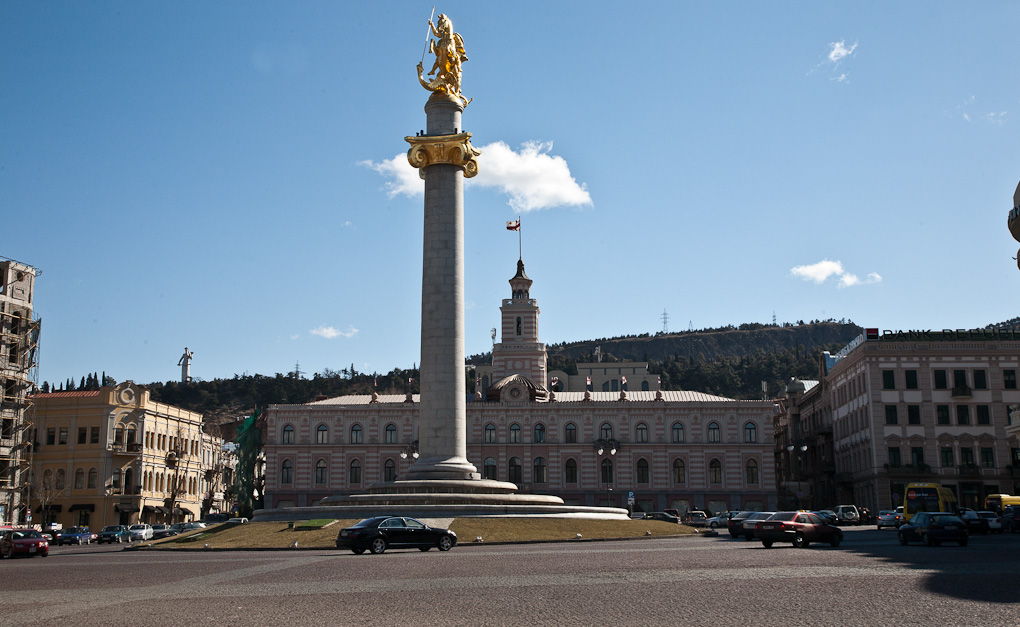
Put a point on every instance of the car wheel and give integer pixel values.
(445, 543)
(378, 546)
(963, 542)
(767, 544)
(799, 542)
(357, 551)
(926, 539)
(903, 538)
(835, 541)
(713, 525)
(424, 549)
(79, 541)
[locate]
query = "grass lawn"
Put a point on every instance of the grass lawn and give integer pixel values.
(322, 533)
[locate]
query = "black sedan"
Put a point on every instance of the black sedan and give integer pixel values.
(798, 528)
(933, 528)
(382, 532)
(663, 516)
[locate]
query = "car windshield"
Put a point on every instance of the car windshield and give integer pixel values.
(31, 533)
(987, 515)
(783, 516)
(137, 526)
(887, 512)
(370, 522)
(945, 519)
(114, 528)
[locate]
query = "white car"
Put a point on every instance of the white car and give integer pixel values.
(994, 523)
(140, 532)
(237, 521)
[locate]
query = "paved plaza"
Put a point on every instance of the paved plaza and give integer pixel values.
(870, 579)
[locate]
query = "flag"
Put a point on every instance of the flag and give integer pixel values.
(513, 225)
(623, 380)
(375, 382)
(589, 382)
(554, 381)
(410, 380)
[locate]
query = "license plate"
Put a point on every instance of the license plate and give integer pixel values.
(768, 527)
(31, 549)
(951, 527)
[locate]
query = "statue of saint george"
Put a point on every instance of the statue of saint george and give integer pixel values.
(449, 50)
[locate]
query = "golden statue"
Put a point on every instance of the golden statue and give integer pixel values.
(449, 50)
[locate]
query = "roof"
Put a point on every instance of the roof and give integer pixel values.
(71, 394)
(669, 396)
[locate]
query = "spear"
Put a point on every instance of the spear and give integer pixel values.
(428, 34)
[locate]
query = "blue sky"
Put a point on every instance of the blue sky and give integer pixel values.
(216, 175)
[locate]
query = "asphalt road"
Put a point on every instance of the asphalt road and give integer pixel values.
(868, 580)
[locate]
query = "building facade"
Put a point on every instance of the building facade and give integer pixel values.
(114, 456)
(665, 449)
(902, 407)
(19, 340)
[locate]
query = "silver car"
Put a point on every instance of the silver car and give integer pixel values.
(140, 532)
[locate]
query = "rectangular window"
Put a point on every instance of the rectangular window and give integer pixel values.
(894, 457)
(1014, 455)
(984, 416)
(83, 433)
(94, 435)
(960, 378)
(942, 414)
(1009, 379)
(911, 379)
(947, 456)
(988, 457)
(890, 415)
(962, 415)
(916, 455)
(941, 382)
(980, 380)
(967, 456)
(888, 380)
(914, 414)
(63, 435)
(51, 436)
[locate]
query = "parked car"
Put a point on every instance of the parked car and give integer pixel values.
(379, 533)
(238, 521)
(663, 516)
(933, 528)
(827, 515)
(27, 542)
(749, 524)
(797, 528)
(994, 523)
(140, 532)
(719, 520)
(75, 535)
(847, 514)
(887, 518)
(113, 533)
(733, 524)
(696, 518)
(975, 523)
(1010, 519)
(163, 531)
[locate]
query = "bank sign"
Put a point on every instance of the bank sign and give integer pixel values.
(950, 335)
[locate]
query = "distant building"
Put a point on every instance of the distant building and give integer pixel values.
(19, 339)
(113, 456)
(901, 407)
(672, 449)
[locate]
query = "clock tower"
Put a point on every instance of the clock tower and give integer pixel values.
(520, 352)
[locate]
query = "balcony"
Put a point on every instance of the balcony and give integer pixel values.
(910, 470)
(133, 448)
(961, 391)
(970, 470)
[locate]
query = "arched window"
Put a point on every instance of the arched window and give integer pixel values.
(489, 468)
(713, 432)
(93, 474)
(518, 325)
(391, 434)
(678, 433)
(679, 471)
(490, 433)
(750, 432)
(288, 434)
(607, 471)
(287, 472)
(644, 386)
(539, 433)
(570, 471)
(79, 479)
(751, 472)
(356, 435)
(129, 481)
(570, 433)
(715, 471)
(321, 474)
(118, 435)
(541, 471)
(642, 432)
(642, 470)
(606, 432)
(322, 434)
(515, 470)
(390, 470)
(515, 433)
(131, 435)
(47, 479)
(355, 474)
(61, 482)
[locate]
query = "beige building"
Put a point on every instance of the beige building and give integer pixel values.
(113, 456)
(19, 339)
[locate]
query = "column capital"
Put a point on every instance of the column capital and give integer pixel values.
(454, 149)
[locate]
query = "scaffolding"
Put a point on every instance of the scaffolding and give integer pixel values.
(19, 358)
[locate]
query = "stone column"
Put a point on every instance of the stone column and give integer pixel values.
(444, 156)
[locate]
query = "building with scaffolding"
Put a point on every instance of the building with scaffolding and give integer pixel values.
(19, 350)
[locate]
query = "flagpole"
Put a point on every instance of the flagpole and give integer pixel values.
(520, 240)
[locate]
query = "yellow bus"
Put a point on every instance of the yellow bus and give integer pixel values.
(927, 497)
(998, 502)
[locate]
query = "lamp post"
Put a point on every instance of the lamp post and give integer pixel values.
(410, 450)
(606, 446)
(794, 474)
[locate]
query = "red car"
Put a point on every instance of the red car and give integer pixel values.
(23, 542)
(797, 528)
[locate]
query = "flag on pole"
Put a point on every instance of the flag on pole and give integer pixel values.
(589, 382)
(624, 381)
(513, 225)
(375, 382)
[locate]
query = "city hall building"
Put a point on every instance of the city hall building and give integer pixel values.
(647, 448)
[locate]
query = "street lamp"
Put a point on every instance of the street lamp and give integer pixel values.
(410, 450)
(608, 446)
(795, 476)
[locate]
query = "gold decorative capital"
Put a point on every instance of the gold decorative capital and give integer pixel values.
(455, 150)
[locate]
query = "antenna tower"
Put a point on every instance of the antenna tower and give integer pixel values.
(774, 319)
(665, 321)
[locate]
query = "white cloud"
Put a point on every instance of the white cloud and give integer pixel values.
(824, 269)
(996, 118)
(838, 50)
(332, 332)
(532, 178)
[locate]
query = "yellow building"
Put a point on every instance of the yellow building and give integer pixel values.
(113, 456)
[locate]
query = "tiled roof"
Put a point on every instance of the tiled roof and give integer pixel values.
(71, 394)
(670, 396)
